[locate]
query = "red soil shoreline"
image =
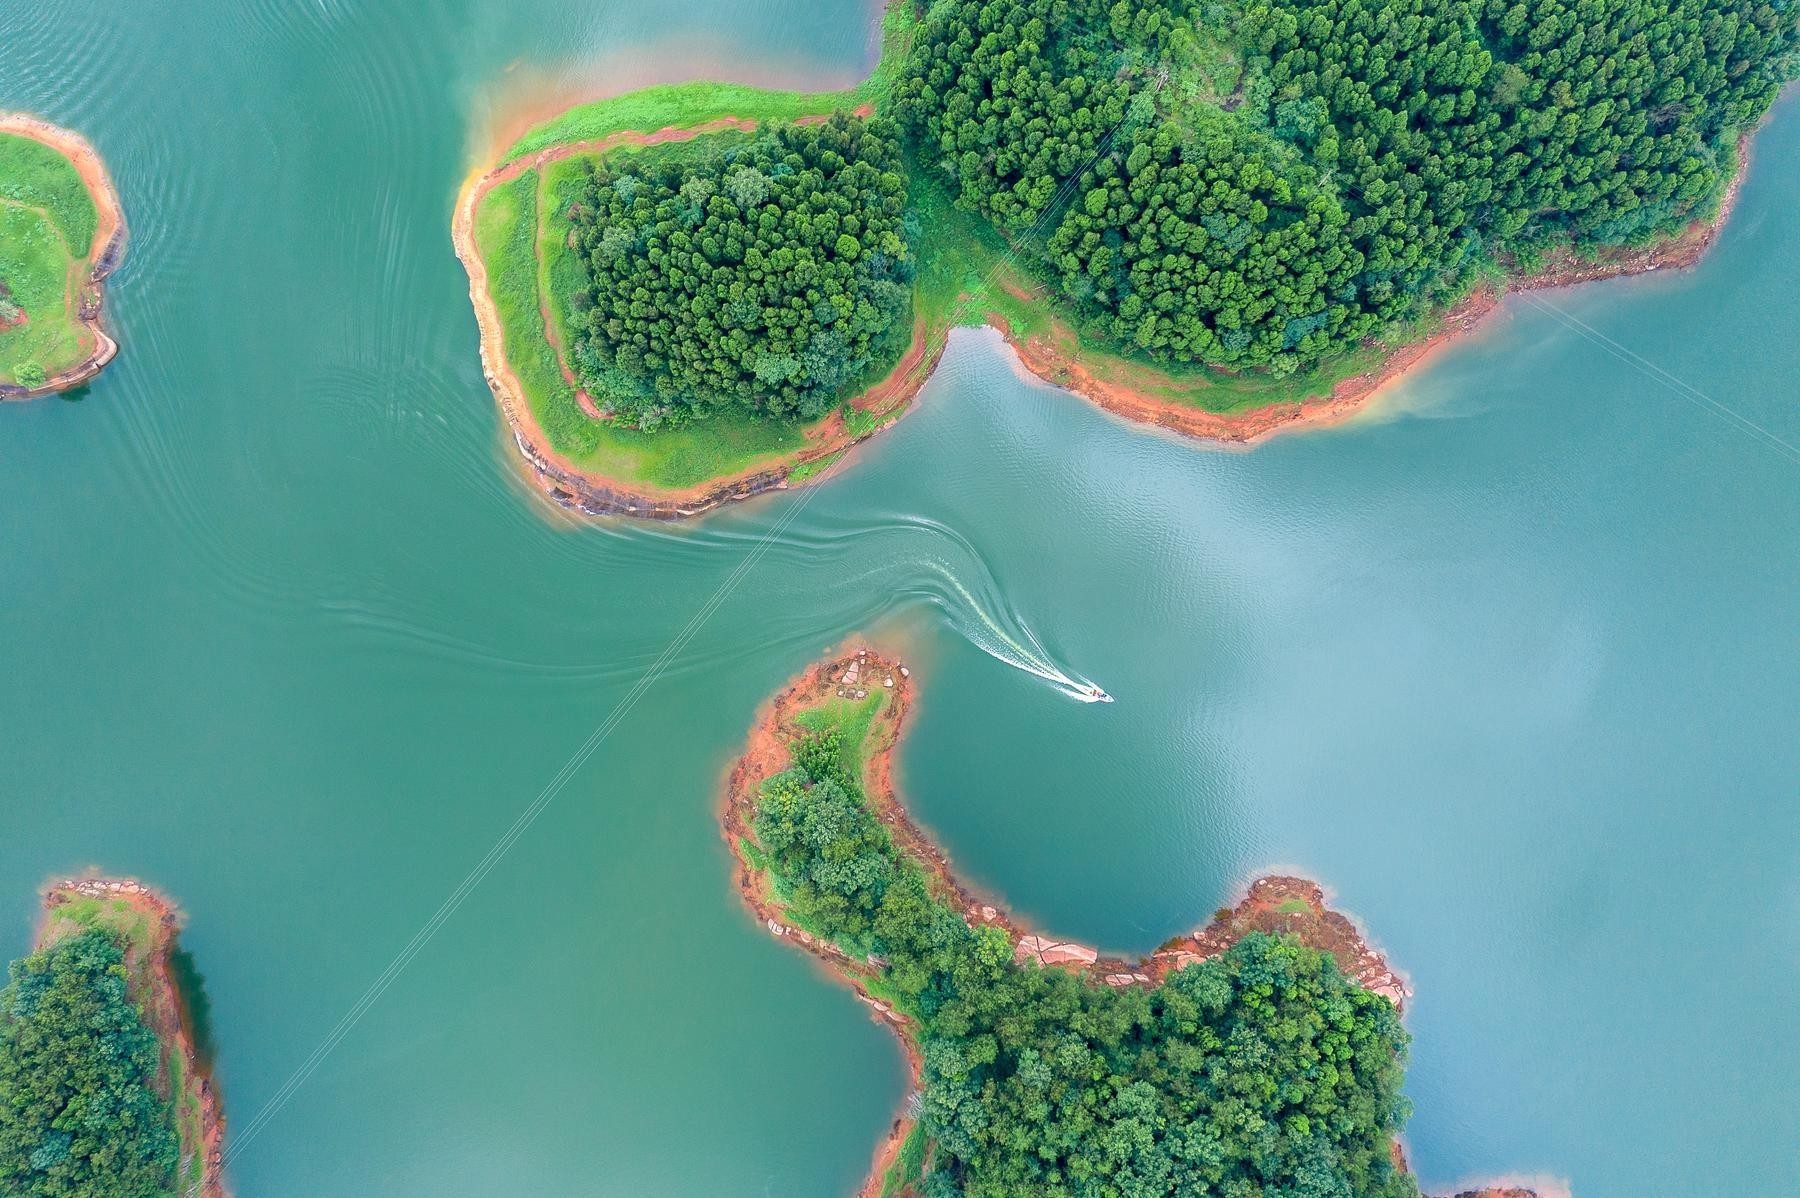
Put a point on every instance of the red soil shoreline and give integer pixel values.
(1056, 358)
(1051, 359)
(107, 251)
(1274, 904)
(165, 1010)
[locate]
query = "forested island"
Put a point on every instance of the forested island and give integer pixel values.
(62, 233)
(104, 1091)
(1222, 218)
(1263, 1054)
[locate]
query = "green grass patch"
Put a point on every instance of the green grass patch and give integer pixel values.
(861, 423)
(678, 105)
(1292, 906)
(818, 466)
(795, 919)
(880, 988)
(753, 853)
(505, 227)
(33, 174)
(188, 1122)
(909, 1167)
(560, 275)
(851, 719)
(35, 264)
(130, 925)
(964, 262)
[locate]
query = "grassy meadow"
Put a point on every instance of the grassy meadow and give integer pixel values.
(47, 223)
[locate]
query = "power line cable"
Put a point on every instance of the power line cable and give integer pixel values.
(526, 818)
(1700, 399)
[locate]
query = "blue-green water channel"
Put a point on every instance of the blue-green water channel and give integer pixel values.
(1512, 665)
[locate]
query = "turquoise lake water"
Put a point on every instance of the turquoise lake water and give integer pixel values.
(1511, 664)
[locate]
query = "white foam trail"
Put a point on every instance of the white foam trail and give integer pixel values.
(992, 639)
(991, 626)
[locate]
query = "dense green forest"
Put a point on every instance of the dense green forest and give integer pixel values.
(769, 270)
(1270, 182)
(80, 1116)
(1239, 183)
(1262, 1072)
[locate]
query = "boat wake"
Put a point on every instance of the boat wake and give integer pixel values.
(908, 560)
(1033, 660)
(1010, 642)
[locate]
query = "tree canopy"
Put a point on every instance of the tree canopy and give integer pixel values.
(80, 1114)
(1269, 182)
(1238, 183)
(771, 270)
(1262, 1073)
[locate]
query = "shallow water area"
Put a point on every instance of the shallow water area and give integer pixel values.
(1509, 664)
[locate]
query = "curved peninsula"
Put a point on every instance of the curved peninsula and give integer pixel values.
(62, 232)
(1261, 1049)
(104, 1086)
(1224, 220)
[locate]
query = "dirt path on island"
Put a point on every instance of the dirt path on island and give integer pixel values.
(104, 253)
(166, 1012)
(552, 332)
(1279, 904)
(589, 492)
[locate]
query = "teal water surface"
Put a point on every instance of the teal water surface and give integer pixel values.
(1511, 664)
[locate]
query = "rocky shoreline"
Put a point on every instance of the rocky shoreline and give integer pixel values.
(109, 236)
(165, 1010)
(1277, 903)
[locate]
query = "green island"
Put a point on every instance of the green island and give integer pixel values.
(1260, 1055)
(103, 1090)
(1221, 218)
(61, 234)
